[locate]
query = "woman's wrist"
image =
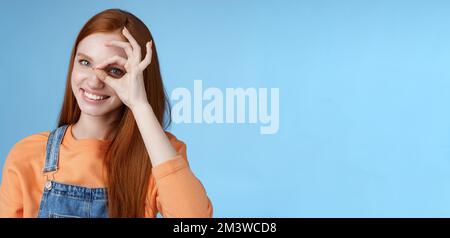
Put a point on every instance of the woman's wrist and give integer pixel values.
(140, 107)
(155, 140)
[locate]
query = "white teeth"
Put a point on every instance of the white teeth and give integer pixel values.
(93, 96)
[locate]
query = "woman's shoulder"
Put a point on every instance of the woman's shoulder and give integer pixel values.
(172, 137)
(32, 146)
(178, 144)
(33, 141)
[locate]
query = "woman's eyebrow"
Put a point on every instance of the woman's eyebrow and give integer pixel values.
(79, 54)
(84, 55)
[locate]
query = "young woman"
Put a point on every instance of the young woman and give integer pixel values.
(109, 156)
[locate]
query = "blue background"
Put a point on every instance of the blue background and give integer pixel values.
(364, 97)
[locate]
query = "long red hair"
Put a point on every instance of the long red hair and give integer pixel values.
(127, 161)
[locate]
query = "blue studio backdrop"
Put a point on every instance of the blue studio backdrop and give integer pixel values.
(358, 93)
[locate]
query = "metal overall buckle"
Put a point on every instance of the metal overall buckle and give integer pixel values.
(48, 182)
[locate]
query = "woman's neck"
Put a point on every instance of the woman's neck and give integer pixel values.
(95, 127)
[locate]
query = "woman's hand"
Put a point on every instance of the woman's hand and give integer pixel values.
(130, 87)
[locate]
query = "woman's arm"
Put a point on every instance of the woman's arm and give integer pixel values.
(176, 192)
(158, 146)
(174, 189)
(131, 91)
(11, 200)
(10, 195)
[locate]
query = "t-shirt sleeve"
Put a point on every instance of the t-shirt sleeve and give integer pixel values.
(176, 191)
(11, 198)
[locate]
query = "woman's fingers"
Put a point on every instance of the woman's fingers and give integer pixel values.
(148, 56)
(103, 76)
(124, 45)
(113, 60)
(134, 44)
(133, 50)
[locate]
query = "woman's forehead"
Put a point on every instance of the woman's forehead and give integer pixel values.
(94, 46)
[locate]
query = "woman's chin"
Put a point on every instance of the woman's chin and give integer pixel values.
(93, 110)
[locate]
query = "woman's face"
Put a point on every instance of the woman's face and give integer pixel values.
(94, 97)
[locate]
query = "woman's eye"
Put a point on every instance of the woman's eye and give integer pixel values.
(84, 62)
(113, 71)
(116, 71)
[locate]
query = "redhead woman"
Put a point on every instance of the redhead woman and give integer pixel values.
(109, 155)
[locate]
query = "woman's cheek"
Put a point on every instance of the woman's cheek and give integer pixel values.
(77, 77)
(74, 78)
(78, 73)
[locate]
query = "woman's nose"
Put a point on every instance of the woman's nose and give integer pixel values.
(94, 81)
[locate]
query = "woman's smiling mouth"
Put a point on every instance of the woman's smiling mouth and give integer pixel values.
(90, 97)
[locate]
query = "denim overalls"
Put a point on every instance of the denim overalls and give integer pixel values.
(64, 200)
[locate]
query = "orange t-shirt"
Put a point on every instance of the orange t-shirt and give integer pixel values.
(173, 191)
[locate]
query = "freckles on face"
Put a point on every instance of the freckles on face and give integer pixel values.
(93, 95)
(92, 51)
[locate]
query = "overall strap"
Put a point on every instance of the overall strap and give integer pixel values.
(52, 150)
